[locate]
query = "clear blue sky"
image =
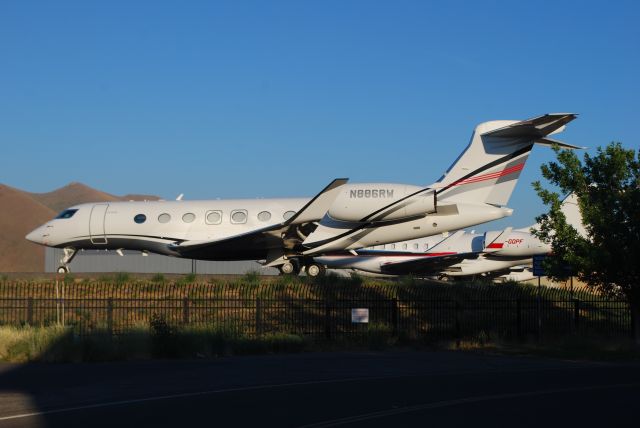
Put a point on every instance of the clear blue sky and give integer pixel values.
(262, 99)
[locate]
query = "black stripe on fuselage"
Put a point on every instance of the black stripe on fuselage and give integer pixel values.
(123, 235)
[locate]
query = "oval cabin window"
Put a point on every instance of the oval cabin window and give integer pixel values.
(164, 218)
(214, 217)
(188, 217)
(288, 215)
(140, 218)
(264, 216)
(239, 216)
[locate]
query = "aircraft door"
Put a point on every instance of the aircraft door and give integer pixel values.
(96, 224)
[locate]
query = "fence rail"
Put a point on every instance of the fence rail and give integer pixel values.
(320, 311)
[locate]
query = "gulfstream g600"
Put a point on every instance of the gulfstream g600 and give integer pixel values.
(288, 232)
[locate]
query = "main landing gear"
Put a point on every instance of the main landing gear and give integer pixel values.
(290, 267)
(315, 269)
(294, 266)
(69, 254)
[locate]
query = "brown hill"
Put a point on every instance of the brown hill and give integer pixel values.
(19, 215)
(21, 212)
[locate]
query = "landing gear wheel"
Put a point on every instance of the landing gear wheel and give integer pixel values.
(314, 270)
(63, 269)
(290, 267)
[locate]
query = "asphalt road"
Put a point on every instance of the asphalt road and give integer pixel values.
(322, 390)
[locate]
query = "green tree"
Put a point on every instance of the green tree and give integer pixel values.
(608, 194)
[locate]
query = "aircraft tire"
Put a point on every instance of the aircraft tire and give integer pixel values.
(290, 267)
(63, 269)
(315, 270)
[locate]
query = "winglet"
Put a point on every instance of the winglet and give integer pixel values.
(317, 207)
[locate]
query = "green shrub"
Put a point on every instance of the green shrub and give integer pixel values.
(252, 278)
(122, 278)
(187, 279)
(158, 278)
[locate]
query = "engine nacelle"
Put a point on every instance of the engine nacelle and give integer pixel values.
(522, 244)
(357, 202)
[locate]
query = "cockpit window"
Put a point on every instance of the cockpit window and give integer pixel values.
(67, 214)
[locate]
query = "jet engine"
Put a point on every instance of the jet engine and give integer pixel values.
(518, 244)
(373, 202)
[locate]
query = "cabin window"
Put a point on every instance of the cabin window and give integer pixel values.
(238, 216)
(404, 246)
(288, 215)
(164, 218)
(66, 214)
(140, 218)
(416, 246)
(391, 246)
(188, 217)
(214, 217)
(264, 216)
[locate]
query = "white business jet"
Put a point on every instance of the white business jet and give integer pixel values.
(287, 233)
(460, 254)
(503, 254)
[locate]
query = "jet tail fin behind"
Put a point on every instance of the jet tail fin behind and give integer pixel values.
(489, 168)
(571, 211)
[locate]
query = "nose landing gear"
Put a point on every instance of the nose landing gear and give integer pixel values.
(69, 254)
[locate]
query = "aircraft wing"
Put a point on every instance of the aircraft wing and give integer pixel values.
(317, 207)
(265, 237)
(440, 256)
(219, 249)
(430, 263)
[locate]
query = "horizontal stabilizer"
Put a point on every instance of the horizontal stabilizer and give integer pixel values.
(539, 127)
(551, 142)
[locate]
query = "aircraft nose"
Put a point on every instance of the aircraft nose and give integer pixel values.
(36, 235)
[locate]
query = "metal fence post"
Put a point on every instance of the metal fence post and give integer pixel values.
(30, 311)
(258, 317)
(327, 320)
(458, 309)
(110, 315)
(519, 318)
(539, 312)
(576, 314)
(185, 310)
(395, 316)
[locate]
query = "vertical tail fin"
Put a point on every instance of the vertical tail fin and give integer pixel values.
(489, 168)
(571, 211)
